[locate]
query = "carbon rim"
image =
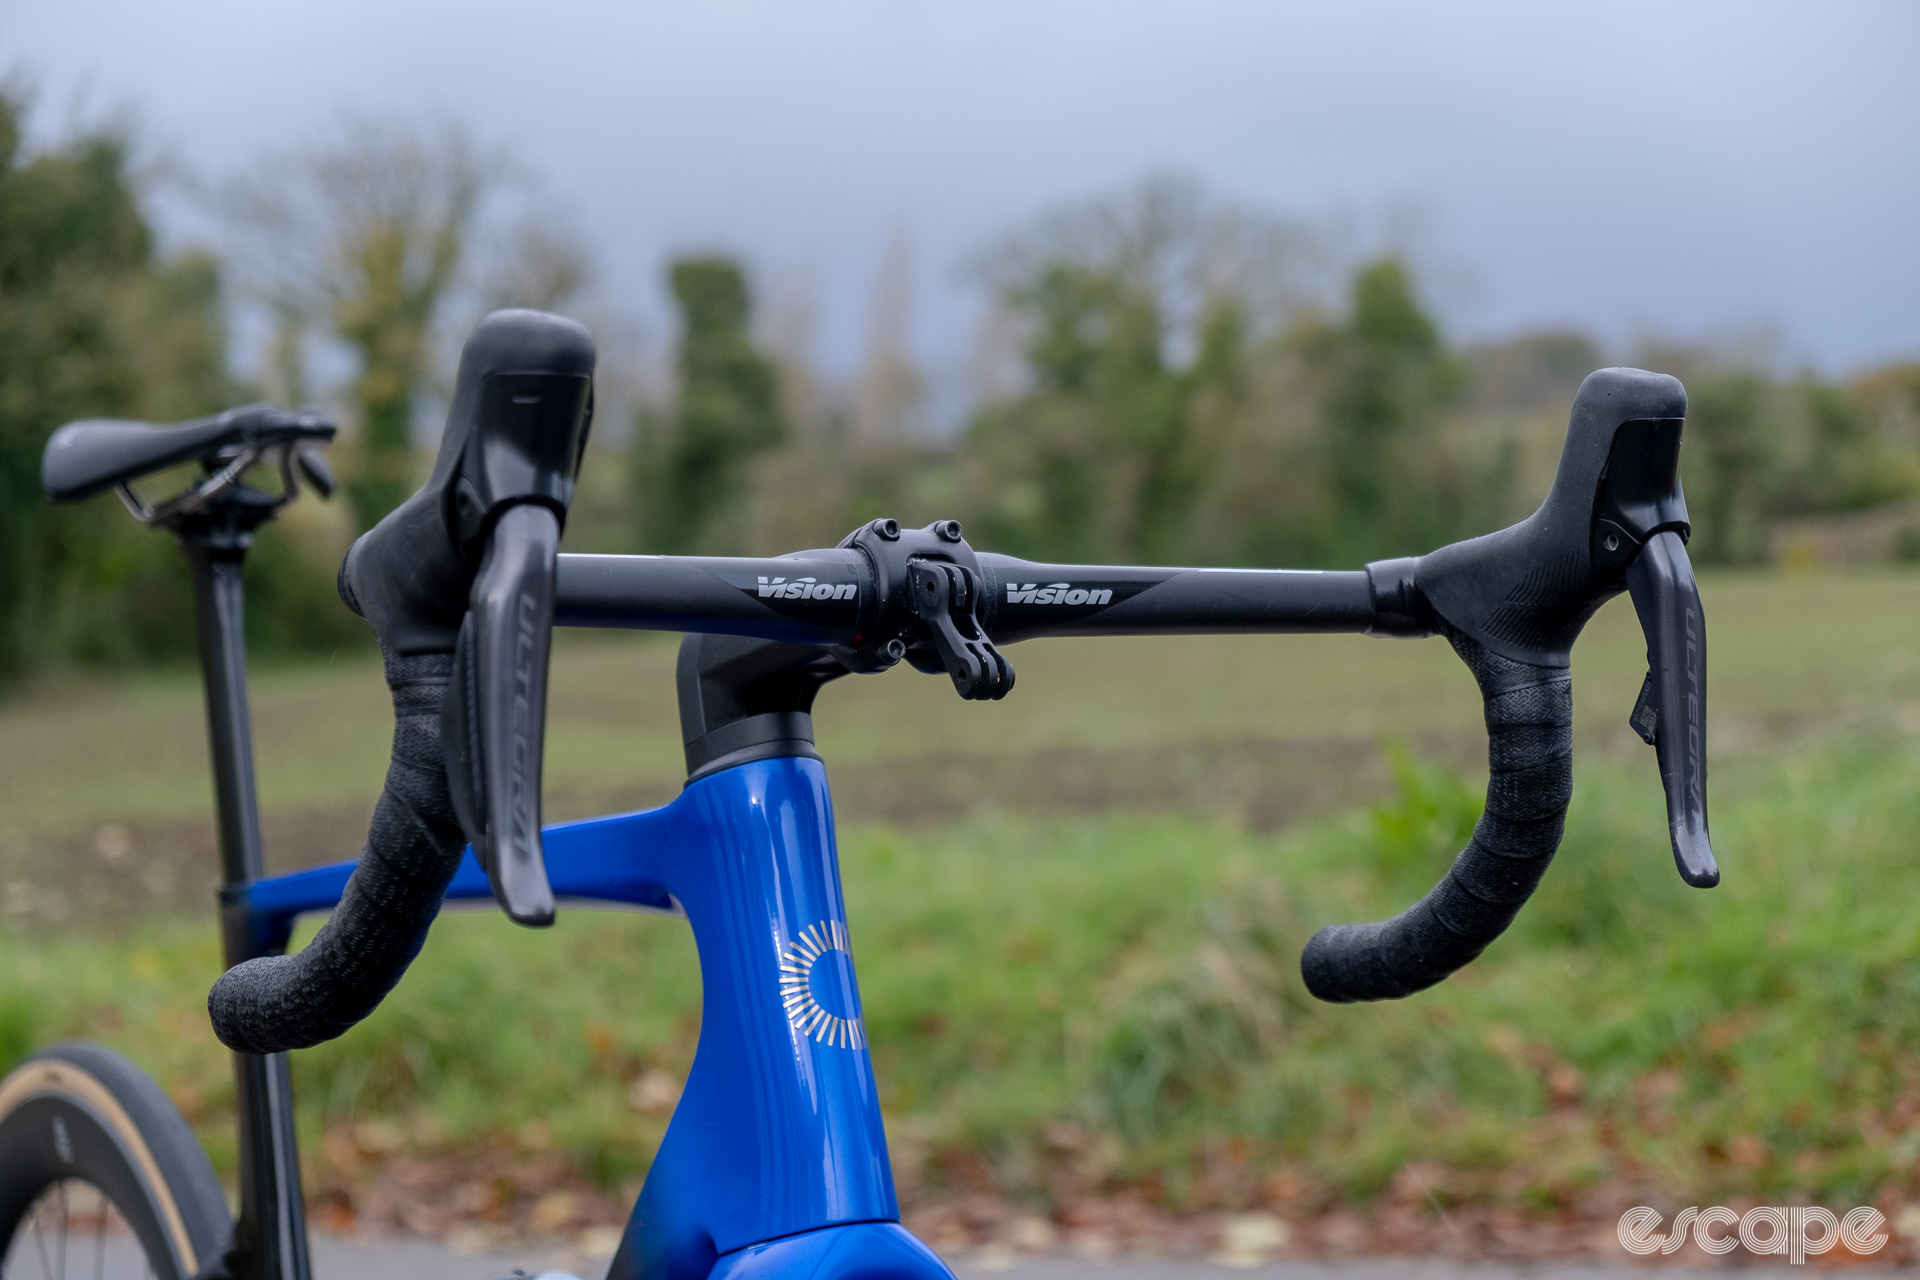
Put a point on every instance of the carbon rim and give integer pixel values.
(73, 1231)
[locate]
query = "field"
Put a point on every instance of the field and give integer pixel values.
(1077, 915)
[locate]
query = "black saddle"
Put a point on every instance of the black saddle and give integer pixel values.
(86, 457)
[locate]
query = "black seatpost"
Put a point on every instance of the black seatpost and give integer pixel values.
(271, 1237)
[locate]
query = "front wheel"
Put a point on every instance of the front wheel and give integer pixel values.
(100, 1175)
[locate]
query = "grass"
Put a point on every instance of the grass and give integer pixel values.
(1065, 1003)
(1083, 1003)
(77, 754)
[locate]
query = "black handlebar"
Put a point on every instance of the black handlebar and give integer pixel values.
(462, 585)
(1529, 711)
(1511, 603)
(457, 585)
(830, 597)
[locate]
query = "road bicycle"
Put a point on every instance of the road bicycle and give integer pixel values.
(775, 1161)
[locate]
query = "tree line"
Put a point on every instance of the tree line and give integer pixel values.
(1185, 383)
(1186, 390)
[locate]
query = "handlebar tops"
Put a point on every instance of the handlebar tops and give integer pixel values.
(463, 583)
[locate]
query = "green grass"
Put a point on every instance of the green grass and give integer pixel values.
(76, 754)
(1060, 1006)
(1068, 1003)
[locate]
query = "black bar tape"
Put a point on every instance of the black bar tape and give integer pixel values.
(277, 1003)
(1530, 756)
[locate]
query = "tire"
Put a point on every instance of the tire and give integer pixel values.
(80, 1124)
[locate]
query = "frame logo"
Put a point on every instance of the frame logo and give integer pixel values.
(817, 987)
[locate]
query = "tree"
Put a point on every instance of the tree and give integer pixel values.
(1137, 315)
(366, 236)
(537, 264)
(691, 465)
(1730, 465)
(1850, 464)
(92, 323)
(1383, 380)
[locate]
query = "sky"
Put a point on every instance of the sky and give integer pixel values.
(1695, 169)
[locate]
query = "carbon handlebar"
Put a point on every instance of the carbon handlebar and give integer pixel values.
(1511, 604)
(831, 597)
(462, 585)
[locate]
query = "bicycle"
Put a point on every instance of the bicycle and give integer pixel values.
(775, 1160)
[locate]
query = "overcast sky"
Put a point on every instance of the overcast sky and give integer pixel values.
(1694, 169)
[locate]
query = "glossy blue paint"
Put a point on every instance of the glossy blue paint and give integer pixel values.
(778, 1133)
(583, 865)
(864, 1251)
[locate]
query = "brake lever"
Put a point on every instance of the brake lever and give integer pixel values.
(1671, 712)
(1640, 527)
(515, 479)
(1616, 518)
(497, 709)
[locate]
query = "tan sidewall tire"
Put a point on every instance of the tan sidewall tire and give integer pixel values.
(80, 1111)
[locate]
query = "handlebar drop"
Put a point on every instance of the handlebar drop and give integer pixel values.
(454, 582)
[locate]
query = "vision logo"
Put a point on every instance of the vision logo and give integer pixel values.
(805, 589)
(1055, 593)
(817, 988)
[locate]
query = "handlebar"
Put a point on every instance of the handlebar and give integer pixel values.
(831, 597)
(1511, 604)
(462, 585)
(457, 585)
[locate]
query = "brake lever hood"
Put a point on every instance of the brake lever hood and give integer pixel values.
(507, 494)
(1526, 591)
(1615, 520)
(466, 566)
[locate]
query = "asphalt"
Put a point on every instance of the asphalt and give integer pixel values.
(337, 1259)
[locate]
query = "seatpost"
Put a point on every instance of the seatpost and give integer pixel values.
(271, 1237)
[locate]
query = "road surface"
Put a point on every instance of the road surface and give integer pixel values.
(339, 1259)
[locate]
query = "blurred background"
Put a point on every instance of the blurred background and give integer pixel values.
(1228, 283)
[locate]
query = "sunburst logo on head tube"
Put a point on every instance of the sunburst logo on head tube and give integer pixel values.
(817, 988)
